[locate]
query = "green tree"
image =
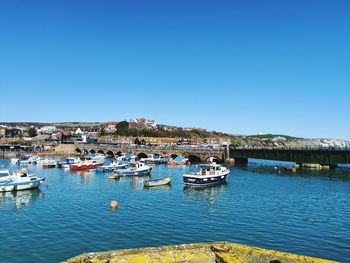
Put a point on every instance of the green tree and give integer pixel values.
(102, 132)
(122, 127)
(32, 132)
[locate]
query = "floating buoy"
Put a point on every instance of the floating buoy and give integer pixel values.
(114, 203)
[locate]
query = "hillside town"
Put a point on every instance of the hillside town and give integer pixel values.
(144, 131)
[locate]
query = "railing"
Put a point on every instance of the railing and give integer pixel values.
(159, 148)
(304, 147)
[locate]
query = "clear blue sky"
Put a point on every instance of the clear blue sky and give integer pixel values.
(235, 66)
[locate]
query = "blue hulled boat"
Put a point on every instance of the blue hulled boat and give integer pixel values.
(208, 174)
(135, 169)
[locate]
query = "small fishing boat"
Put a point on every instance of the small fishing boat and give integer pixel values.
(136, 169)
(68, 162)
(155, 159)
(24, 160)
(35, 159)
(29, 159)
(112, 166)
(114, 175)
(157, 182)
(48, 163)
(98, 157)
(21, 180)
(5, 175)
(127, 157)
(14, 160)
(208, 174)
(179, 161)
(84, 165)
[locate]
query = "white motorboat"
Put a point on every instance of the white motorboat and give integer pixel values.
(14, 160)
(209, 174)
(21, 180)
(4, 175)
(135, 169)
(48, 163)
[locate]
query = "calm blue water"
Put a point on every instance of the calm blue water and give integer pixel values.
(306, 213)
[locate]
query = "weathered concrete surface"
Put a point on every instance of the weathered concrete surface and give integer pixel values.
(220, 252)
(65, 149)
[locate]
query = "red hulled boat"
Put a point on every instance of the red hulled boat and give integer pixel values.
(87, 164)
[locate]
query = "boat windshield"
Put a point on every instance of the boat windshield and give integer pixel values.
(4, 173)
(209, 169)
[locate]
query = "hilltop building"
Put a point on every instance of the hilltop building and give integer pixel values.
(151, 123)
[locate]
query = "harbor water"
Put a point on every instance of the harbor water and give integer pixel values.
(307, 212)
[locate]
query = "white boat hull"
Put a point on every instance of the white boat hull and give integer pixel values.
(8, 187)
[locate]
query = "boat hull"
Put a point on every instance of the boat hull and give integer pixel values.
(196, 181)
(153, 183)
(126, 172)
(12, 186)
(84, 167)
(110, 168)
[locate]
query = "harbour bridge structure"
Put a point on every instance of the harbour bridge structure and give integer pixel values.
(194, 154)
(301, 156)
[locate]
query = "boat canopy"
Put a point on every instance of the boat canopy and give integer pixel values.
(178, 159)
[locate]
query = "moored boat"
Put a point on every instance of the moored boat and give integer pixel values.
(136, 169)
(48, 163)
(157, 182)
(98, 157)
(21, 180)
(84, 165)
(24, 160)
(127, 157)
(208, 174)
(5, 175)
(14, 160)
(68, 162)
(112, 166)
(155, 159)
(114, 175)
(179, 161)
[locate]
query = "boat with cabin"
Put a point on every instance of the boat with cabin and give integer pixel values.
(21, 180)
(135, 169)
(48, 163)
(5, 175)
(115, 165)
(208, 174)
(68, 162)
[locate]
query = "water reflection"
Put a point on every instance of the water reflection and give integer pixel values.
(20, 199)
(208, 194)
(155, 188)
(137, 182)
(332, 174)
